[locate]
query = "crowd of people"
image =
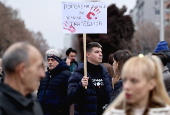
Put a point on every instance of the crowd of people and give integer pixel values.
(126, 85)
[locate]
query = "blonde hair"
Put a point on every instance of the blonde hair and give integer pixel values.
(150, 68)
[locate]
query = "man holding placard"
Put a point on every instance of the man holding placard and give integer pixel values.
(90, 101)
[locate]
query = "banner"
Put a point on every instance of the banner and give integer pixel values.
(84, 17)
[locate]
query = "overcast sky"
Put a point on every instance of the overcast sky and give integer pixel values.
(45, 16)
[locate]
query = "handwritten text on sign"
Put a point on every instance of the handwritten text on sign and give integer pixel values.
(84, 17)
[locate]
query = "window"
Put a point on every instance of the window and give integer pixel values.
(157, 11)
(156, 2)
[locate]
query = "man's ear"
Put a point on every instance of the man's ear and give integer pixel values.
(20, 70)
(87, 54)
(152, 84)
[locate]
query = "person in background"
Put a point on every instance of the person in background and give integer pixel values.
(144, 92)
(72, 63)
(109, 65)
(71, 59)
(167, 54)
(166, 75)
(52, 92)
(22, 64)
(162, 46)
(110, 59)
(109, 68)
(90, 101)
(119, 58)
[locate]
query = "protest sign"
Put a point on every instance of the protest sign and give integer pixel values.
(84, 17)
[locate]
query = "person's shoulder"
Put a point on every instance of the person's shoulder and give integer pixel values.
(65, 73)
(3, 99)
(166, 75)
(114, 111)
(103, 68)
(79, 67)
(161, 110)
(2, 112)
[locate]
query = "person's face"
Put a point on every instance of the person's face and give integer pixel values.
(137, 88)
(95, 56)
(34, 72)
(52, 63)
(115, 66)
(72, 56)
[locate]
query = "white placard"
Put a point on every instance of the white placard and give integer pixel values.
(84, 17)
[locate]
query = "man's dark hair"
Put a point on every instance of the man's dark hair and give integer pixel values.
(92, 45)
(164, 59)
(70, 50)
(14, 56)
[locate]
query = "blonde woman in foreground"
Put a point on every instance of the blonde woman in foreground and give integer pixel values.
(143, 90)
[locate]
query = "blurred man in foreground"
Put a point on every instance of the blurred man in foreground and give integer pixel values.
(22, 64)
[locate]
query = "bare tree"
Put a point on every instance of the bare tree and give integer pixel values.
(12, 29)
(145, 38)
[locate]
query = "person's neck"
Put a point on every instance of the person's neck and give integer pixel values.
(142, 103)
(93, 62)
(13, 81)
(92, 68)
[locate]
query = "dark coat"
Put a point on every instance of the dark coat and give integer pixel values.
(13, 103)
(52, 93)
(2, 76)
(116, 90)
(85, 100)
(166, 77)
(167, 53)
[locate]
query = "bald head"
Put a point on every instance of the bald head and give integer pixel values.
(16, 54)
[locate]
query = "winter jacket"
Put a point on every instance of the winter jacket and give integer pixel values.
(13, 103)
(52, 93)
(152, 111)
(85, 100)
(167, 53)
(116, 90)
(166, 77)
(1, 77)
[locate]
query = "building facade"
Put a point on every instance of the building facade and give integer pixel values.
(149, 11)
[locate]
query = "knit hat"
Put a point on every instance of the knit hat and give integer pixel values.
(54, 57)
(162, 45)
(55, 54)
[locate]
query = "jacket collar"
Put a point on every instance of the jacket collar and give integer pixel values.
(152, 111)
(165, 68)
(60, 67)
(14, 95)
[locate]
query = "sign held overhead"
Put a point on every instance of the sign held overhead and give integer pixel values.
(84, 17)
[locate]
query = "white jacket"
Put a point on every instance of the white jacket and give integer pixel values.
(153, 111)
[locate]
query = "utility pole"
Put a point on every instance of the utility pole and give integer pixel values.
(161, 20)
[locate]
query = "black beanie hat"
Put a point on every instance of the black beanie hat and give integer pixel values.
(54, 57)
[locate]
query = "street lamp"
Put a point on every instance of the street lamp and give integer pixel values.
(161, 20)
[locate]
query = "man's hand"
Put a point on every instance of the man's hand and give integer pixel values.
(84, 81)
(68, 61)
